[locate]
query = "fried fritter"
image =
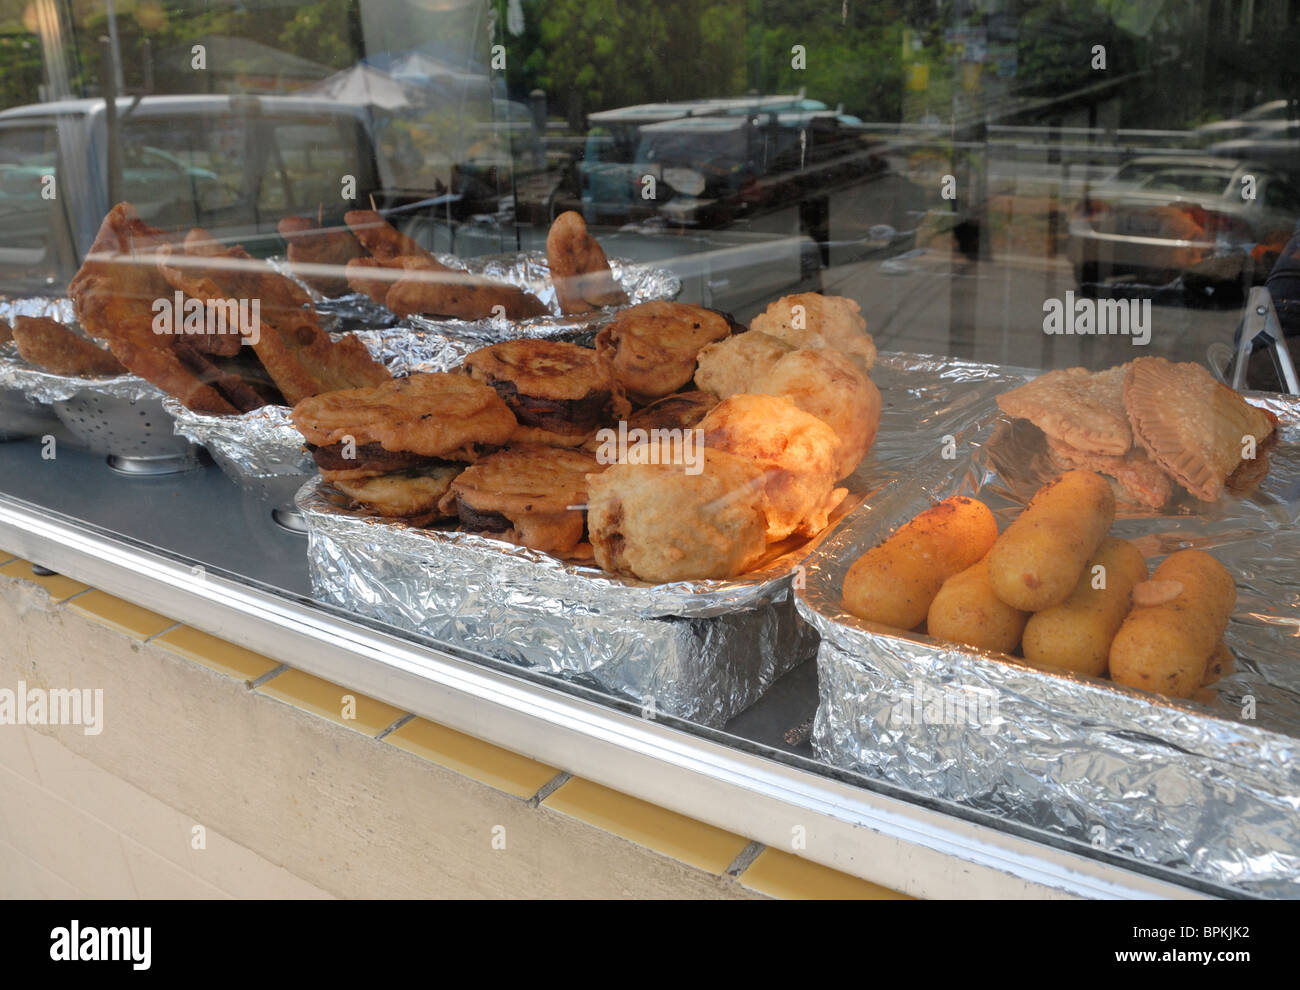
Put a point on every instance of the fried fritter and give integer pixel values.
(525, 494)
(673, 412)
(796, 452)
(380, 237)
(411, 495)
(810, 319)
(439, 414)
(579, 268)
(733, 363)
(55, 347)
(300, 357)
(114, 292)
(429, 288)
(317, 253)
(658, 523)
(652, 347)
(560, 392)
(834, 388)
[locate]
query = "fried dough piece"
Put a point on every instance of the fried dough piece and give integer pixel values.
(411, 495)
(299, 356)
(652, 347)
(55, 347)
(681, 411)
(579, 268)
(380, 237)
(796, 452)
(1082, 408)
(657, 523)
(439, 414)
(432, 289)
(311, 246)
(730, 365)
(819, 321)
(530, 488)
(560, 392)
(371, 277)
(833, 387)
(1192, 426)
(1138, 477)
(113, 293)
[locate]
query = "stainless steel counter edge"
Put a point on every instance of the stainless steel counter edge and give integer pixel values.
(900, 845)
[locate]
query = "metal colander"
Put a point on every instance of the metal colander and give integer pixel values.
(134, 434)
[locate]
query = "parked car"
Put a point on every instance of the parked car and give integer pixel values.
(1158, 216)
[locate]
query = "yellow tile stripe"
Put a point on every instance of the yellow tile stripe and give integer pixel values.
(781, 874)
(216, 654)
(120, 615)
(470, 757)
(685, 839)
(332, 701)
(60, 588)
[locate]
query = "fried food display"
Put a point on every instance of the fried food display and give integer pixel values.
(652, 347)
(833, 387)
(58, 349)
(657, 523)
(1148, 424)
(810, 319)
(1172, 635)
(527, 494)
(409, 280)
(895, 582)
(1037, 560)
(728, 367)
(579, 268)
(318, 254)
(114, 293)
(967, 611)
(402, 424)
(1193, 427)
(300, 357)
(1076, 635)
(560, 393)
(796, 452)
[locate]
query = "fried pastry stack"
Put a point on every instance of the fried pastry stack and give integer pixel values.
(1147, 424)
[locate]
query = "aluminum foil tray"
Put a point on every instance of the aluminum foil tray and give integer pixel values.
(1209, 787)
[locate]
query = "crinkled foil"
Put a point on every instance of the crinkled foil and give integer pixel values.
(701, 650)
(257, 447)
(1208, 787)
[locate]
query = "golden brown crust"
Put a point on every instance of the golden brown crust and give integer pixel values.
(833, 387)
(1139, 478)
(432, 289)
(1192, 426)
(795, 451)
(728, 367)
(380, 237)
(810, 319)
(49, 344)
(113, 293)
(579, 268)
(652, 347)
(681, 411)
(658, 523)
(439, 414)
(1082, 408)
(404, 494)
(310, 247)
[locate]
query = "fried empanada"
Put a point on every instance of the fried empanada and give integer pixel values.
(1139, 478)
(1084, 409)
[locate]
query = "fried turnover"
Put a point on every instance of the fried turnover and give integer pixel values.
(527, 494)
(810, 319)
(1195, 428)
(1139, 478)
(657, 523)
(440, 415)
(833, 387)
(652, 347)
(300, 357)
(681, 411)
(729, 366)
(56, 348)
(1081, 408)
(796, 452)
(113, 293)
(311, 247)
(411, 495)
(579, 268)
(560, 392)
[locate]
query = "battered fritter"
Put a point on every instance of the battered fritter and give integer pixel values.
(652, 347)
(731, 365)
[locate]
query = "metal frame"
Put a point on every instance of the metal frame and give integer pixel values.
(902, 845)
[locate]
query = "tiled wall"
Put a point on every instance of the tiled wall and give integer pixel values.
(304, 789)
